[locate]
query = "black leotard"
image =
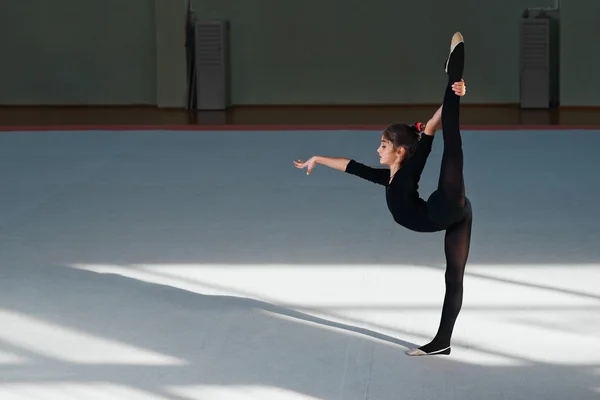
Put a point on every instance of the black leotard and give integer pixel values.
(402, 195)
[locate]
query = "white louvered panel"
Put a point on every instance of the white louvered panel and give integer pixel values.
(535, 63)
(535, 45)
(210, 44)
(212, 64)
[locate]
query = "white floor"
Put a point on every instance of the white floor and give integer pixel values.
(203, 265)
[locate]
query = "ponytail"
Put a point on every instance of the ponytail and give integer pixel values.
(417, 128)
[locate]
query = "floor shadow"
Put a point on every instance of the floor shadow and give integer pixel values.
(231, 341)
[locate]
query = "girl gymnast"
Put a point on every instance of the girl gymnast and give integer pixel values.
(405, 151)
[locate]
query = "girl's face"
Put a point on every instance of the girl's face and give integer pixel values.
(387, 154)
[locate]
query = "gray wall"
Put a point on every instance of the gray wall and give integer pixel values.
(580, 53)
(77, 52)
(337, 52)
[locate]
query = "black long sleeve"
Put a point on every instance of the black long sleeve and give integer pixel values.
(417, 162)
(380, 176)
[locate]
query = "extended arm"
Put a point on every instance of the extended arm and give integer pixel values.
(379, 176)
(338, 163)
(418, 160)
(416, 163)
(435, 122)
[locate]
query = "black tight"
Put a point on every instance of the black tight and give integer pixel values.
(451, 184)
(449, 205)
(457, 242)
(446, 204)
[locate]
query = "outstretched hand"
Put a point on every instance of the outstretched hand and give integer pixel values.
(309, 164)
(460, 89)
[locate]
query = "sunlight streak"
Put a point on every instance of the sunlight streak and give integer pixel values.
(388, 299)
(60, 343)
(72, 391)
(11, 359)
(486, 287)
(238, 392)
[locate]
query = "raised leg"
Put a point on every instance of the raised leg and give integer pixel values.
(446, 204)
